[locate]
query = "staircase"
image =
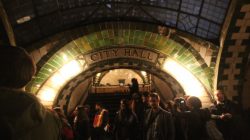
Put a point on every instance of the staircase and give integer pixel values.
(110, 101)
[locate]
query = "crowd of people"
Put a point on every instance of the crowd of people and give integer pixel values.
(140, 117)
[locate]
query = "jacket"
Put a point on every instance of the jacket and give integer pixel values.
(23, 117)
(161, 128)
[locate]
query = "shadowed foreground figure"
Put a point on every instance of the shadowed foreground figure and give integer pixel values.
(125, 124)
(81, 124)
(22, 117)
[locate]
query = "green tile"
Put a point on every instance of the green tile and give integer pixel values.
(132, 33)
(111, 33)
(91, 45)
(151, 45)
(181, 57)
(40, 78)
(126, 40)
(55, 64)
(71, 54)
(137, 33)
(189, 60)
(131, 40)
(108, 42)
(102, 42)
(162, 41)
(120, 33)
(58, 58)
(174, 51)
(116, 40)
(44, 73)
(105, 34)
(153, 37)
(189, 56)
(80, 45)
(208, 71)
(99, 36)
(196, 69)
(158, 38)
(148, 35)
(126, 32)
(181, 51)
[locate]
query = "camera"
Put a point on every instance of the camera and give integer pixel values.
(180, 103)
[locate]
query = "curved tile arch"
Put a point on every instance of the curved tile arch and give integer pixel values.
(65, 94)
(111, 34)
(53, 44)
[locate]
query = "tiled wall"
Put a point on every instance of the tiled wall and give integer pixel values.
(235, 53)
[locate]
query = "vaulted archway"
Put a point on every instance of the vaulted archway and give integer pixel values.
(195, 56)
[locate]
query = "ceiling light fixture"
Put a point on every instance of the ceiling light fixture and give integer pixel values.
(23, 19)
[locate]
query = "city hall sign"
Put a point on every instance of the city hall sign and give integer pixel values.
(122, 52)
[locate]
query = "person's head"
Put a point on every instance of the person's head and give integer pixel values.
(80, 107)
(134, 81)
(59, 111)
(145, 97)
(124, 104)
(86, 108)
(193, 102)
(154, 100)
(219, 95)
(80, 111)
(170, 106)
(17, 69)
(98, 106)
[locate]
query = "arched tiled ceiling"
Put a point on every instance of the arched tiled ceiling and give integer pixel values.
(33, 20)
(91, 38)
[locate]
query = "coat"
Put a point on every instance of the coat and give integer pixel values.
(23, 117)
(125, 125)
(162, 128)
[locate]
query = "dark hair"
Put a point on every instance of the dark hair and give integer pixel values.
(57, 108)
(154, 95)
(17, 67)
(125, 102)
(134, 81)
(195, 102)
(79, 107)
(145, 94)
(99, 103)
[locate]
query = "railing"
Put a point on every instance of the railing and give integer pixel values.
(117, 89)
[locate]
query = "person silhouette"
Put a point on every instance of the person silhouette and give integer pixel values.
(134, 87)
(23, 116)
